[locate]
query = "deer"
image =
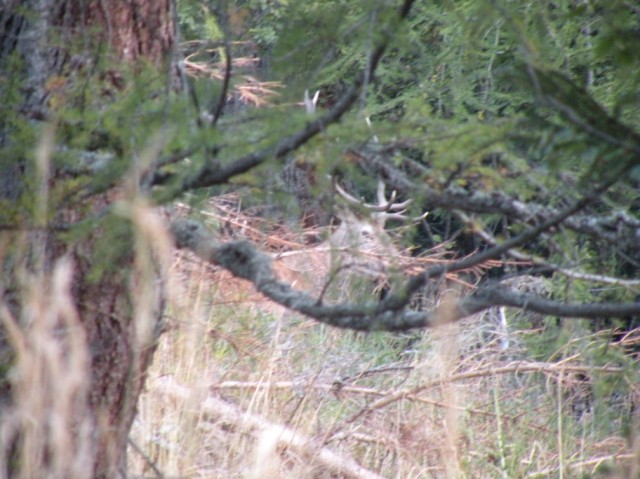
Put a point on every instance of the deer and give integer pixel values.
(354, 261)
(356, 255)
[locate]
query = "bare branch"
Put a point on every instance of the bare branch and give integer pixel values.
(244, 261)
(218, 109)
(554, 89)
(498, 296)
(518, 367)
(416, 282)
(569, 273)
(616, 228)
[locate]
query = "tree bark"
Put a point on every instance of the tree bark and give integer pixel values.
(53, 42)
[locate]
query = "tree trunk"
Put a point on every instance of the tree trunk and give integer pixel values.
(53, 43)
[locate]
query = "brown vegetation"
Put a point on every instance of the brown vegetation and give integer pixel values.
(239, 390)
(358, 259)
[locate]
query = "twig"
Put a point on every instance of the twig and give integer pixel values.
(518, 367)
(593, 463)
(146, 458)
(218, 109)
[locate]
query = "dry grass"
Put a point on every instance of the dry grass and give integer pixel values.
(50, 379)
(241, 390)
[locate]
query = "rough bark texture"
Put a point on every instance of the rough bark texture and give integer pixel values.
(54, 40)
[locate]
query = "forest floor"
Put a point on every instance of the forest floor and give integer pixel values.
(242, 388)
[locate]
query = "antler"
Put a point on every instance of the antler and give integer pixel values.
(389, 208)
(383, 205)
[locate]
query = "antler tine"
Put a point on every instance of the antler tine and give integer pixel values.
(393, 210)
(311, 103)
(401, 206)
(383, 205)
(423, 216)
(396, 216)
(387, 209)
(381, 195)
(401, 216)
(390, 204)
(346, 196)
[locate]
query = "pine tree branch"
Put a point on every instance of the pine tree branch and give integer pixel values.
(215, 174)
(616, 228)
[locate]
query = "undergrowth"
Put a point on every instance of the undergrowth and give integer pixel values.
(239, 389)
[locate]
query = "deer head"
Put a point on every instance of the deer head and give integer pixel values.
(362, 225)
(351, 262)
